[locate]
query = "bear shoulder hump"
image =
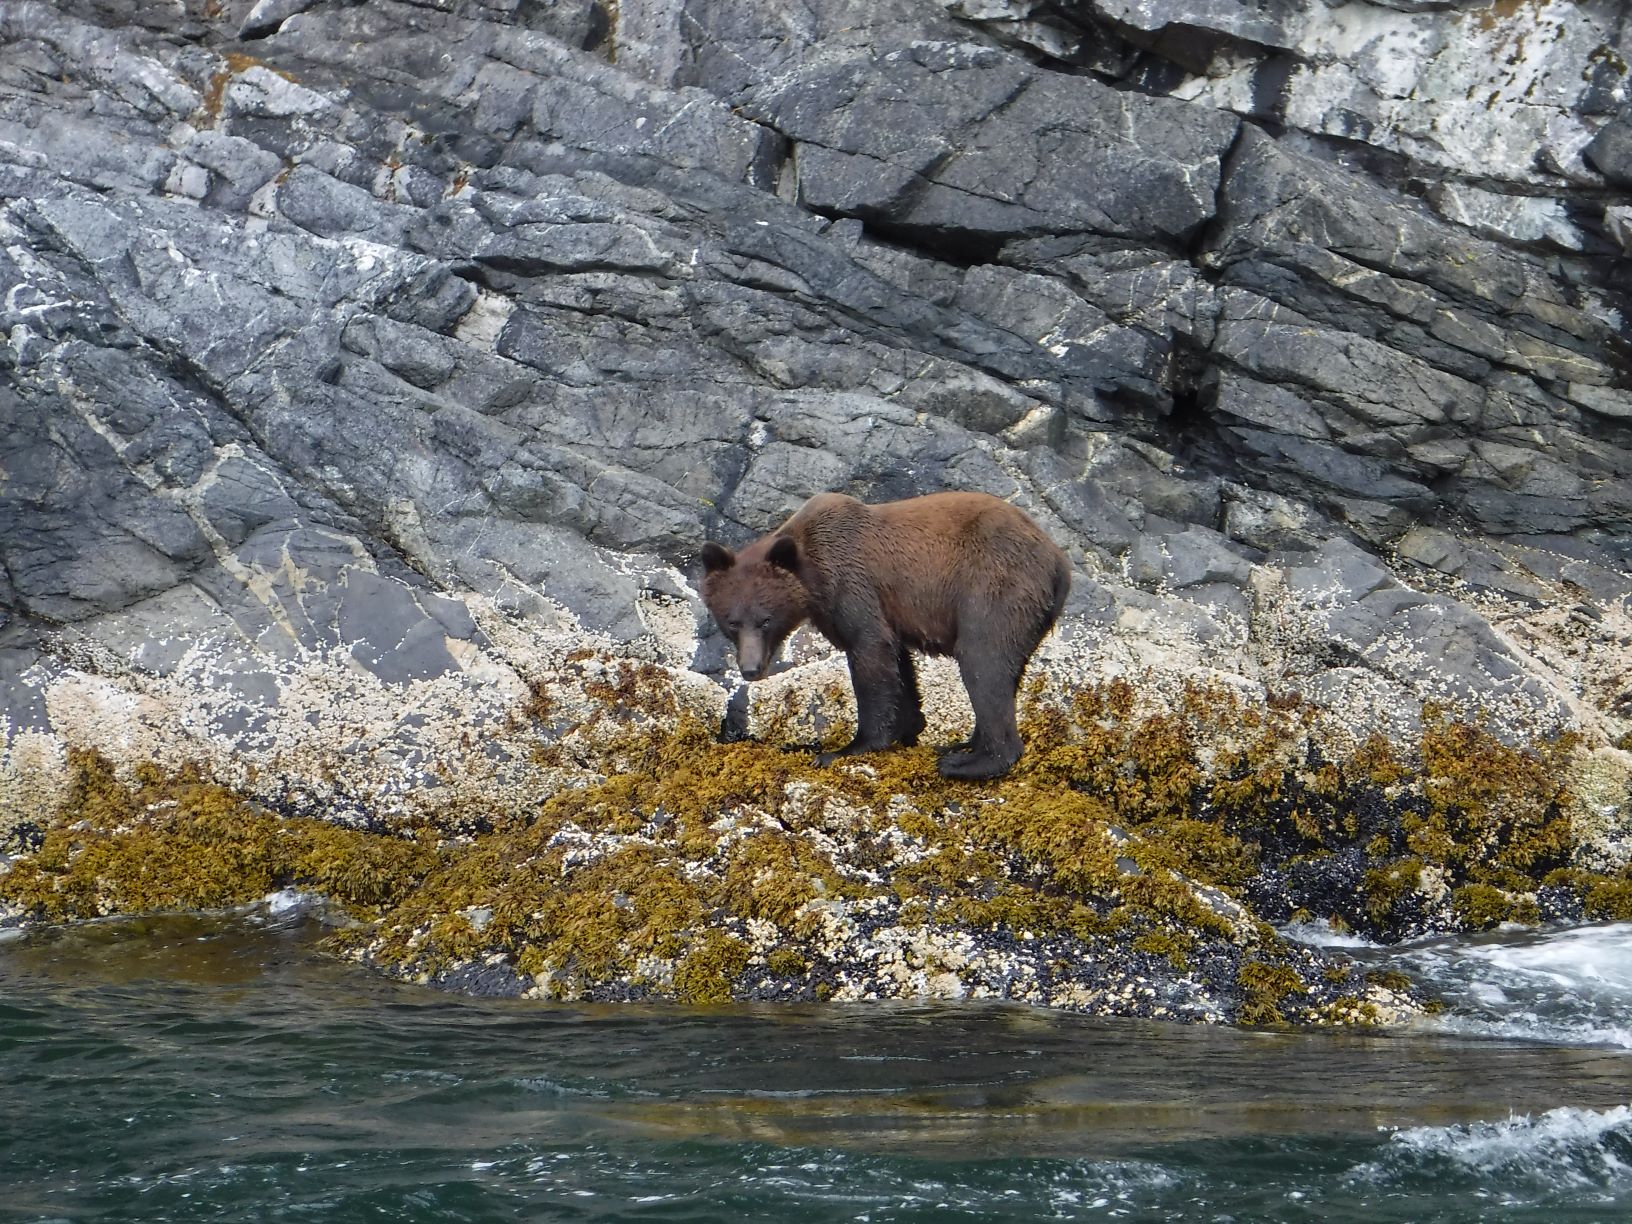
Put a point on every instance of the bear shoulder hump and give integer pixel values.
(824, 506)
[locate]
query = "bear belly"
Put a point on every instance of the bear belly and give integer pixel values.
(927, 645)
(920, 620)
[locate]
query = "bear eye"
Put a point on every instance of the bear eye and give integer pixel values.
(733, 625)
(764, 623)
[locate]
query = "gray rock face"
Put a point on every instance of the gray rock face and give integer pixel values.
(359, 359)
(968, 142)
(1610, 151)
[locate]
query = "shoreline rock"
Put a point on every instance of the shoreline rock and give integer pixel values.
(1136, 863)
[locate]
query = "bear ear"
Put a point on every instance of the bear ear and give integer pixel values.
(717, 557)
(784, 553)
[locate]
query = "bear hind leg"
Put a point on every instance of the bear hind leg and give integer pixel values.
(995, 745)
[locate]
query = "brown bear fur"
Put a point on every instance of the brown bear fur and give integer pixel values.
(960, 574)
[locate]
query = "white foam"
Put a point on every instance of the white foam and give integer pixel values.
(1562, 1147)
(1530, 1026)
(286, 900)
(1566, 987)
(1321, 934)
(1593, 958)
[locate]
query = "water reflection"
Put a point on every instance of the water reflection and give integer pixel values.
(329, 1051)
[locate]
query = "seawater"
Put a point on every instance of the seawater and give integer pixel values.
(178, 1069)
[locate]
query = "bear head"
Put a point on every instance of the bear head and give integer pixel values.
(756, 599)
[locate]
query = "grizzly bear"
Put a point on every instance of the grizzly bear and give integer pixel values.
(960, 574)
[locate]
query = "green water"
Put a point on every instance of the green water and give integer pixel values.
(185, 1069)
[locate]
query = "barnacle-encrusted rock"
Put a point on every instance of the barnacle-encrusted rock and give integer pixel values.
(1126, 867)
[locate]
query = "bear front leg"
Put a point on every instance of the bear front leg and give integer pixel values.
(909, 715)
(875, 674)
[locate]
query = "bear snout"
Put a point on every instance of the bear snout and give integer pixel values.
(753, 659)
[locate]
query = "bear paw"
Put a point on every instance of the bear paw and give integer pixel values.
(972, 766)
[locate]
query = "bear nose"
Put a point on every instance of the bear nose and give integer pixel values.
(753, 661)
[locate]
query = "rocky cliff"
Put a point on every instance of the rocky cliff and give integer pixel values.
(370, 366)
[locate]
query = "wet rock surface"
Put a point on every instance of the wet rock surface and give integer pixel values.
(362, 362)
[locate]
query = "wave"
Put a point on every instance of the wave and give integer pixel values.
(1529, 1026)
(1555, 1153)
(1566, 987)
